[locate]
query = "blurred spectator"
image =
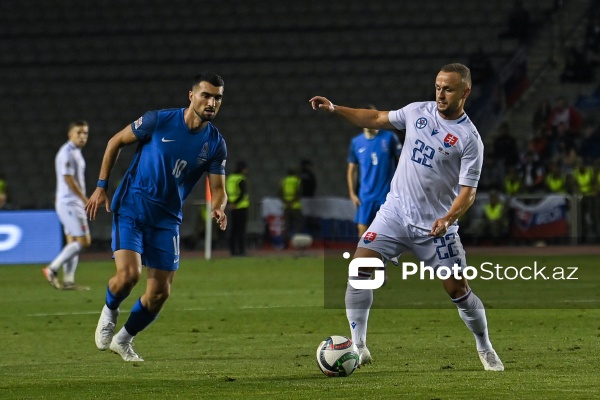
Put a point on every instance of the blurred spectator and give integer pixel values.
(513, 184)
(494, 222)
(481, 67)
(577, 67)
(308, 178)
(556, 180)
(238, 204)
(541, 114)
(532, 172)
(585, 186)
(519, 23)
(566, 115)
(290, 191)
(538, 144)
(589, 147)
(562, 148)
(3, 193)
(505, 147)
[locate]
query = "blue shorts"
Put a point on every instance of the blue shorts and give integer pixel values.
(158, 247)
(365, 214)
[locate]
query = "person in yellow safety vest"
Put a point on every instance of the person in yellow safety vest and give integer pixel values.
(495, 222)
(290, 191)
(584, 184)
(556, 181)
(512, 183)
(238, 204)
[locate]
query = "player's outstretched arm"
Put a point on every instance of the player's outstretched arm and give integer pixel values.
(219, 199)
(99, 197)
(361, 117)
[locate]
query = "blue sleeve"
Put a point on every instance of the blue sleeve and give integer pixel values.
(217, 164)
(351, 154)
(144, 126)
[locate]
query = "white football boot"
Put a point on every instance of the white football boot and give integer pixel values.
(125, 350)
(364, 356)
(106, 327)
(51, 277)
(490, 360)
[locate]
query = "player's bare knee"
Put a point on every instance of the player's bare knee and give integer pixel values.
(155, 300)
(85, 241)
(128, 276)
(456, 288)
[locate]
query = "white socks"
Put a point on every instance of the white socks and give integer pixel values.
(69, 269)
(358, 304)
(472, 312)
(123, 336)
(470, 309)
(68, 252)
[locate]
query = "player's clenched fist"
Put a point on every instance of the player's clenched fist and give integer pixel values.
(321, 103)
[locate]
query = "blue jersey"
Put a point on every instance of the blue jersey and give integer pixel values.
(169, 161)
(376, 159)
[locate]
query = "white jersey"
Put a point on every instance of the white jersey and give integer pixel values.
(438, 157)
(69, 161)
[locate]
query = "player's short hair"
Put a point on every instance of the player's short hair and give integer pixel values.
(78, 122)
(461, 69)
(209, 77)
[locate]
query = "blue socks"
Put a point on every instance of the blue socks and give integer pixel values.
(139, 318)
(113, 301)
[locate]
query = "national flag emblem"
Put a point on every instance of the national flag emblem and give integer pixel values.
(369, 237)
(450, 140)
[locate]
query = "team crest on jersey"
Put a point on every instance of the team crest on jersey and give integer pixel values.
(384, 146)
(138, 123)
(369, 237)
(421, 123)
(450, 140)
(203, 156)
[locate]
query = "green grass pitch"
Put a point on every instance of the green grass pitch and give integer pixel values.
(248, 328)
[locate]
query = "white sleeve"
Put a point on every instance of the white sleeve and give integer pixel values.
(66, 164)
(470, 163)
(398, 118)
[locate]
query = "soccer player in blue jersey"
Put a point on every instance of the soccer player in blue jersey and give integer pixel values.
(372, 161)
(175, 147)
(433, 186)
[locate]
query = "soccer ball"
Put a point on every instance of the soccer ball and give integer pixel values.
(337, 356)
(301, 241)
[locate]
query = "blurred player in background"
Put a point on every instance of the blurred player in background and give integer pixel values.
(70, 202)
(175, 147)
(434, 184)
(372, 159)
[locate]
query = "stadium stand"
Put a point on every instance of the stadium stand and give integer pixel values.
(108, 62)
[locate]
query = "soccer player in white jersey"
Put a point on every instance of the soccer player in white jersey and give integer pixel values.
(434, 185)
(70, 202)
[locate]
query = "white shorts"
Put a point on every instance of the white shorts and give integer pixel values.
(73, 218)
(390, 236)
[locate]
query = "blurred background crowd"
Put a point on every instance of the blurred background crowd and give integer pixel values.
(535, 101)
